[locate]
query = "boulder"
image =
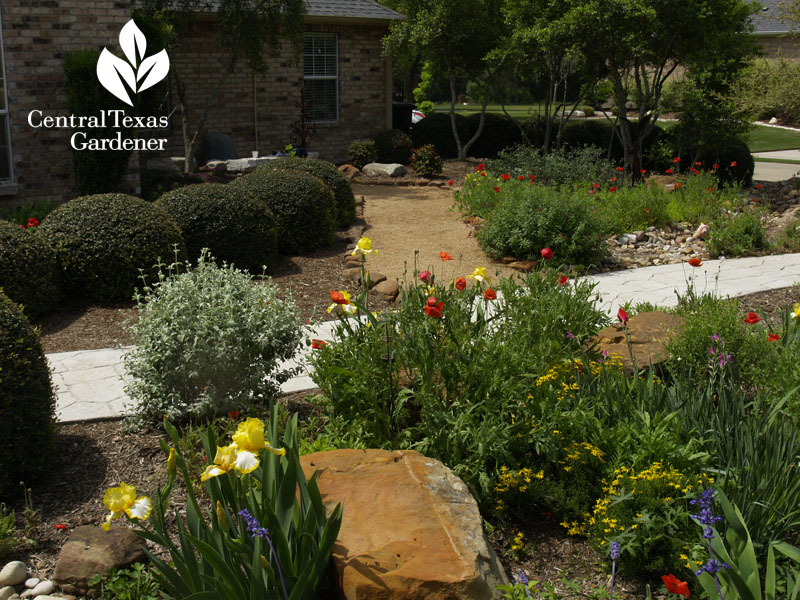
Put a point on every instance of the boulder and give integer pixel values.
(387, 289)
(349, 171)
(410, 529)
(648, 333)
(246, 165)
(7, 591)
(90, 551)
(14, 573)
(386, 170)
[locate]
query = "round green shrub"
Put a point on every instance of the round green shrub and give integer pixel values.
(102, 242)
(426, 162)
(303, 206)
(499, 132)
(27, 401)
(330, 176)
(362, 152)
(235, 227)
(208, 341)
(437, 130)
(28, 272)
(393, 146)
(736, 164)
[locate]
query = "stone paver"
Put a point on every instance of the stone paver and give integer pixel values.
(89, 384)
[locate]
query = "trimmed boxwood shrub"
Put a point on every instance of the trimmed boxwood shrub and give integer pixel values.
(735, 162)
(362, 152)
(437, 130)
(28, 272)
(330, 176)
(393, 146)
(303, 206)
(27, 401)
(235, 226)
(499, 132)
(101, 243)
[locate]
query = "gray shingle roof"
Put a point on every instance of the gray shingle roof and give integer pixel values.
(769, 20)
(352, 9)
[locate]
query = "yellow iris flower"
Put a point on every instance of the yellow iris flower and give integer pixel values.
(242, 454)
(796, 310)
(122, 500)
(364, 247)
(479, 274)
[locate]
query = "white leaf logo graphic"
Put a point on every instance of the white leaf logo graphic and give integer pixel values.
(112, 71)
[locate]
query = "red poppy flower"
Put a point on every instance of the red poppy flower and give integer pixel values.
(533, 178)
(752, 318)
(647, 210)
(483, 173)
(61, 527)
(642, 171)
(521, 177)
(496, 189)
(434, 309)
(33, 222)
(759, 186)
(669, 171)
(339, 298)
(318, 344)
(709, 190)
(695, 262)
(675, 585)
(22, 226)
(489, 294)
(445, 256)
(622, 316)
(699, 163)
(677, 185)
(613, 179)
(425, 276)
(480, 167)
(234, 414)
(450, 182)
(676, 160)
(563, 280)
(596, 186)
(620, 168)
(505, 176)
(547, 254)
(461, 284)
(773, 337)
(693, 170)
(734, 164)
(715, 166)
(612, 189)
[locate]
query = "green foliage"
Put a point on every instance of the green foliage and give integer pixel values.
(27, 401)
(558, 167)
(768, 88)
(528, 218)
(21, 214)
(208, 341)
(135, 583)
(102, 242)
(330, 176)
(499, 132)
(234, 227)
(362, 152)
(96, 171)
(437, 130)
(288, 558)
(28, 271)
(426, 107)
(426, 162)
(9, 538)
(737, 234)
(735, 161)
(393, 146)
(304, 207)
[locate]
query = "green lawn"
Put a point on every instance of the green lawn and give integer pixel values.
(767, 139)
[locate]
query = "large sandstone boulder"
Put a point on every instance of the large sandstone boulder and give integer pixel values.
(410, 528)
(90, 550)
(384, 169)
(648, 333)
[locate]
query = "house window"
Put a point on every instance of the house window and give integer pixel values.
(321, 76)
(6, 172)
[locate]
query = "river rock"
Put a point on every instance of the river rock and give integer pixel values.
(7, 592)
(90, 551)
(648, 333)
(14, 573)
(410, 530)
(32, 582)
(387, 289)
(42, 588)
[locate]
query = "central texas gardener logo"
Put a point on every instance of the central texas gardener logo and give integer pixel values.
(138, 72)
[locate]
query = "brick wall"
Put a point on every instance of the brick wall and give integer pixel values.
(36, 34)
(258, 110)
(780, 47)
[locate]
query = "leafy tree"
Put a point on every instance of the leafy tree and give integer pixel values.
(459, 36)
(790, 11)
(641, 43)
(247, 30)
(406, 55)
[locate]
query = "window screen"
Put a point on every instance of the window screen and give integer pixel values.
(320, 76)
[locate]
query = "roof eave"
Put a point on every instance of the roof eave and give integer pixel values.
(772, 33)
(326, 20)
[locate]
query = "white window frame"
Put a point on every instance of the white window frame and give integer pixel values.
(5, 118)
(334, 78)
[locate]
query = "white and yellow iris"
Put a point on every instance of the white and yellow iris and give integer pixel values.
(479, 274)
(796, 311)
(342, 300)
(364, 247)
(122, 500)
(242, 454)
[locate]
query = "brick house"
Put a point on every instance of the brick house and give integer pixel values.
(774, 34)
(346, 79)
